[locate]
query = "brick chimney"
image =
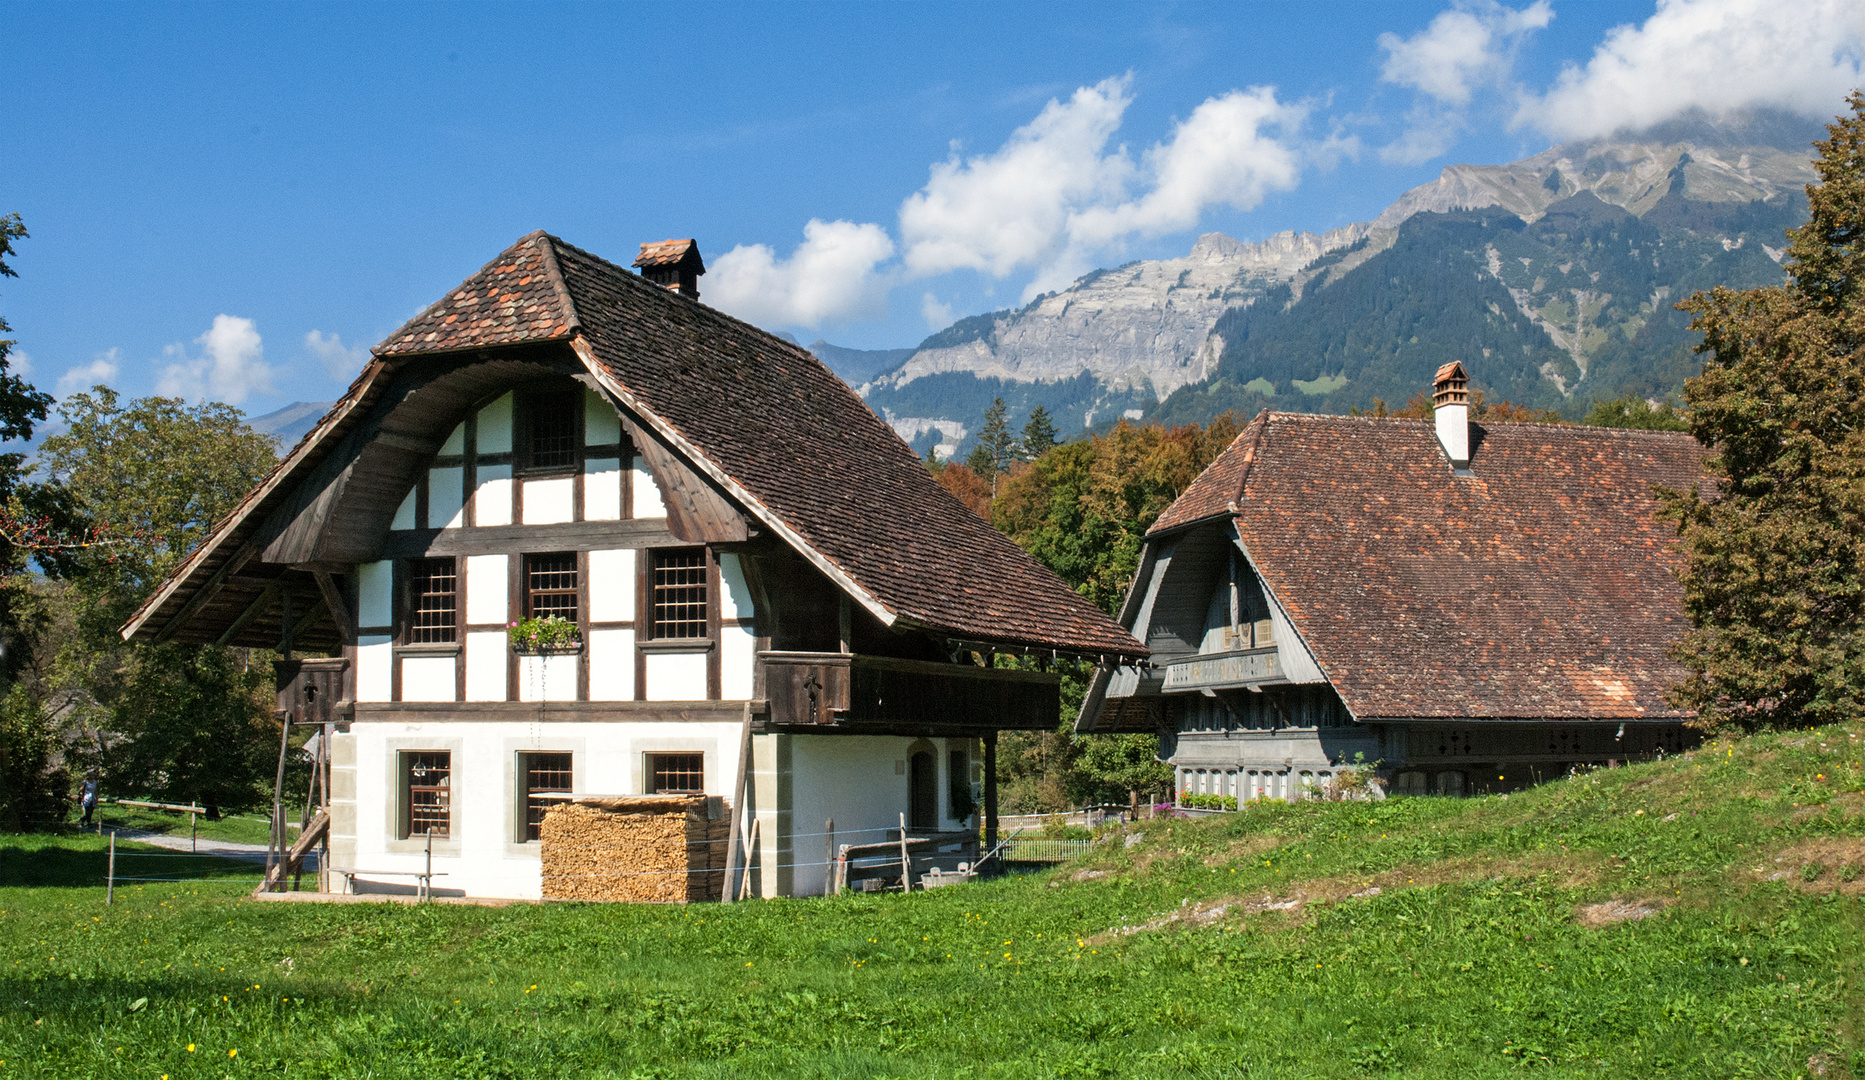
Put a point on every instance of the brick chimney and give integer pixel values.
(1450, 397)
(674, 264)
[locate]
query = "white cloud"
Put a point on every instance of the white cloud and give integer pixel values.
(1465, 48)
(1000, 211)
(19, 362)
(937, 315)
(342, 361)
(1470, 48)
(1718, 56)
(232, 365)
(102, 370)
(829, 277)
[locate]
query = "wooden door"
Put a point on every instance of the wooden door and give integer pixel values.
(923, 791)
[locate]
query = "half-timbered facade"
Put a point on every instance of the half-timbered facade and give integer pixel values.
(774, 603)
(1469, 607)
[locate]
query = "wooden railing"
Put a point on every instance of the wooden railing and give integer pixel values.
(857, 690)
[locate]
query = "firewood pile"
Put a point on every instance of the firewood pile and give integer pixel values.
(662, 849)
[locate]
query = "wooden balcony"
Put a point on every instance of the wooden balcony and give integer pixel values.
(840, 691)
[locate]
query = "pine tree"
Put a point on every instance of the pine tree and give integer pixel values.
(996, 448)
(1775, 578)
(1039, 434)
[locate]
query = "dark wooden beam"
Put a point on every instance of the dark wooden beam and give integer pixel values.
(333, 601)
(683, 712)
(493, 539)
(209, 589)
(253, 610)
(990, 790)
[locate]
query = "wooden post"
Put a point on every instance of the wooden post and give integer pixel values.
(828, 857)
(990, 790)
(427, 883)
(110, 871)
(841, 869)
(751, 845)
(194, 847)
(736, 857)
(275, 850)
(906, 861)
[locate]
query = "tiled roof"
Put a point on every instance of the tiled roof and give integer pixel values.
(666, 253)
(516, 297)
(787, 437)
(1542, 587)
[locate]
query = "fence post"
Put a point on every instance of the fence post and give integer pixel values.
(194, 847)
(906, 861)
(110, 871)
(828, 857)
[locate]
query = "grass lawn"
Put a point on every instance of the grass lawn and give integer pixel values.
(237, 828)
(1695, 917)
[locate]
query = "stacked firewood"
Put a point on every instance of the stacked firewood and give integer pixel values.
(639, 848)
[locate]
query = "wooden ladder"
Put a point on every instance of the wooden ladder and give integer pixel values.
(293, 862)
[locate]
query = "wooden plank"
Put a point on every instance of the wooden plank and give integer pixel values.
(697, 511)
(496, 539)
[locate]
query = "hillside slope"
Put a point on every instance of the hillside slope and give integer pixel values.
(1696, 917)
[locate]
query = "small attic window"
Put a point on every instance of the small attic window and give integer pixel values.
(553, 430)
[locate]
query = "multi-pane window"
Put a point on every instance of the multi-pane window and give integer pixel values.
(427, 777)
(680, 594)
(676, 774)
(553, 430)
(542, 774)
(550, 586)
(432, 591)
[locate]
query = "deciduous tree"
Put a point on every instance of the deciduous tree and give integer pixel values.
(1774, 581)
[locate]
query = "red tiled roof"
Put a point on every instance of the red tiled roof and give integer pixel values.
(1540, 588)
(779, 430)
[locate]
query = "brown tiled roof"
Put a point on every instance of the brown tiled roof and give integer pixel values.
(514, 298)
(666, 253)
(769, 423)
(1540, 588)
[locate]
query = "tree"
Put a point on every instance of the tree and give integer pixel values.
(996, 448)
(1774, 579)
(180, 722)
(1039, 434)
(968, 487)
(1635, 412)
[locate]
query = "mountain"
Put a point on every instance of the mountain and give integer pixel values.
(1551, 278)
(291, 423)
(857, 366)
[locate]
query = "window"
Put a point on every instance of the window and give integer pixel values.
(676, 774)
(680, 594)
(431, 602)
(553, 430)
(541, 774)
(427, 782)
(550, 586)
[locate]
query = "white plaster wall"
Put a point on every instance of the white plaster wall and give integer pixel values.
(495, 427)
(547, 678)
(602, 489)
(492, 501)
(601, 426)
(851, 779)
(456, 440)
(738, 658)
(483, 856)
(487, 591)
(647, 501)
(612, 586)
(375, 667)
(427, 678)
(734, 596)
(677, 676)
(404, 514)
(611, 665)
(485, 665)
(446, 498)
(550, 502)
(375, 588)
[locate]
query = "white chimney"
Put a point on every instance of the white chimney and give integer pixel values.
(1450, 398)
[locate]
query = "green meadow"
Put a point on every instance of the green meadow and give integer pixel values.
(1697, 917)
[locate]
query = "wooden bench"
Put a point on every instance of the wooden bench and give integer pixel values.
(424, 879)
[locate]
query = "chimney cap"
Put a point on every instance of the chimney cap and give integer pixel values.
(1451, 385)
(671, 253)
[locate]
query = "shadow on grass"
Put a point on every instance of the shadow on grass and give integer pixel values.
(30, 863)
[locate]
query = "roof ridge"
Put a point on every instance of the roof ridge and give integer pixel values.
(1261, 424)
(573, 319)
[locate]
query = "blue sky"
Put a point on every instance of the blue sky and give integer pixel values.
(236, 201)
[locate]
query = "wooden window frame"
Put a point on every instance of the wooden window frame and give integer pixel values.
(410, 602)
(645, 641)
(405, 762)
(526, 828)
(650, 771)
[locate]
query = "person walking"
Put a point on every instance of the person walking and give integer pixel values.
(87, 797)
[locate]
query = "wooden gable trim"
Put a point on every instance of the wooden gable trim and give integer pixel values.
(621, 395)
(359, 392)
(697, 511)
